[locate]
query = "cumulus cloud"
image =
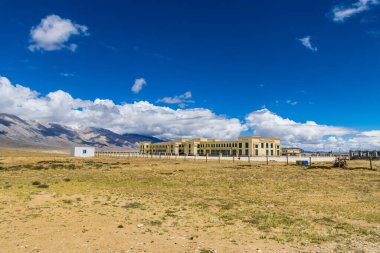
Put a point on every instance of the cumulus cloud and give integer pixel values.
(139, 117)
(53, 33)
(181, 100)
(366, 140)
(146, 118)
(308, 135)
(306, 42)
(343, 12)
(138, 85)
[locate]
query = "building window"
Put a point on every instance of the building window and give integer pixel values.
(262, 145)
(84, 151)
(240, 145)
(267, 152)
(246, 145)
(266, 145)
(271, 145)
(257, 152)
(246, 152)
(271, 152)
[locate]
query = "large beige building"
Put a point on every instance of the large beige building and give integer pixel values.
(244, 146)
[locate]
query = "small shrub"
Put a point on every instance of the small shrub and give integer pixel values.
(38, 167)
(171, 213)
(67, 179)
(206, 251)
(264, 228)
(71, 167)
(43, 186)
(133, 205)
(120, 226)
(36, 183)
(155, 223)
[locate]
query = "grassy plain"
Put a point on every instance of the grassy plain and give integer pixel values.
(54, 203)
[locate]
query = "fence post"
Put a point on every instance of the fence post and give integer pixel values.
(206, 157)
(310, 162)
(287, 159)
(249, 158)
(233, 159)
(370, 162)
(219, 158)
(267, 160)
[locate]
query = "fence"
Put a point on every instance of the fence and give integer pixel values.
(265, 159)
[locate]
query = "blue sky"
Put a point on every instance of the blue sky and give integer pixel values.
(231, 57)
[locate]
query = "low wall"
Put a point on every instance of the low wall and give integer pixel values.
(290, 159)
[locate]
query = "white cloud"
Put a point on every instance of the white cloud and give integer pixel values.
(181, 100)
(53, 33)
(292, 102)
(146, 118)
(341, 12)
(310, 135)
(66, 74)
(139, 117)
(366, 140)
(306, 41)
(138, 85)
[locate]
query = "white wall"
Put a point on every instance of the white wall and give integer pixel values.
(291, 159)
(83, 152)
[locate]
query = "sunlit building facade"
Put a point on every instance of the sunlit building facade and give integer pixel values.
(243, 146)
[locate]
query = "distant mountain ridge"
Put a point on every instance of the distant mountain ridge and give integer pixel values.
(18, 132)
(139, 137)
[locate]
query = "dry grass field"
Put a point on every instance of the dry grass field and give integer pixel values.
(54, 203)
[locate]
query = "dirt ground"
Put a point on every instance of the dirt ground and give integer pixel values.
(50, 202)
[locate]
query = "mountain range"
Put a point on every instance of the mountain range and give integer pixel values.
(18, 132)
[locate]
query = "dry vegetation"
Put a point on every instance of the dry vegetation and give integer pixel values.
(53, 203)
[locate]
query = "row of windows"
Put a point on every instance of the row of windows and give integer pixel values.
(234, 145)
(223, 145)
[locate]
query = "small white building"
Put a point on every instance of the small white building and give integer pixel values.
(83, 152)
